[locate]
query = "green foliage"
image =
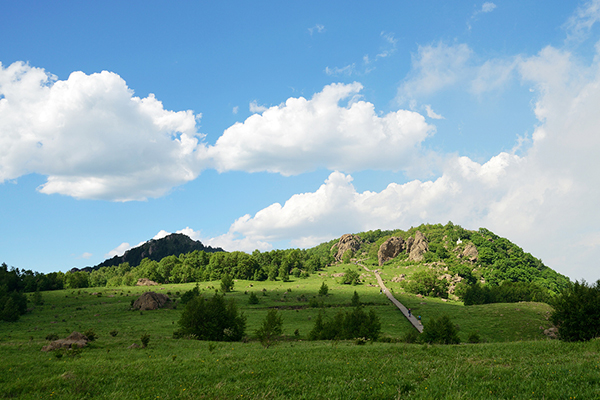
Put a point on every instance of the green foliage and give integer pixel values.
(12, 305)
(145, 339)
(213, 319)
(271, 328)
(37, 299)
(113, 333)
(427, 283)
(346, 325)
(226, 283)
(348, 254)
(189, 295)
(474, 338)
(351, 277)
(507, 292)
(324, 289)
(355, 301)
(91, 335)
(253, 298)
(76, 280)
(577, 312)
(441, 331)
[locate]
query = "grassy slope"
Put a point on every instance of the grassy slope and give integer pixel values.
(294, 369)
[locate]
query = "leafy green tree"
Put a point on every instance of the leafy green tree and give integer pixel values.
(349, 325)
(284, 273)
(10, 312)
(271, 328)
(351, 277)
(426, 283)
(577, 312)
(347, 256)
(76, 280)
(440, 330)
(227, 283)
(213, 319)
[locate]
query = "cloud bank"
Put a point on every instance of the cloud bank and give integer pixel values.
(91, 136)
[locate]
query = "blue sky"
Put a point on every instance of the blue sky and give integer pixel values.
(276, 124)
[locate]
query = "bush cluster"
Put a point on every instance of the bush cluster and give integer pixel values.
(577, 312)
(507, 292)
(212, 319)
(346, 325)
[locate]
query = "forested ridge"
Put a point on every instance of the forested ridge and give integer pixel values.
(443, 271)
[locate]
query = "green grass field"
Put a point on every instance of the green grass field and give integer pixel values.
(516, 360)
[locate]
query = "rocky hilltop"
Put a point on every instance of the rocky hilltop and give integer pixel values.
(156, 249)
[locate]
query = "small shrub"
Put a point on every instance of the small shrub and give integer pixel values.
(411, 337)
(52, 336)
(324, 289)
(226, 283)
(314, 303)
(271, 329)
(441, 331)
(474, 338)
(190, 294)
(355, 302)
(360, 341)
(253, 298)
(226, 323)
(177, 334)
(37, 298)
(350, 277)
(91, 335)
(145, 339)
(113, 333)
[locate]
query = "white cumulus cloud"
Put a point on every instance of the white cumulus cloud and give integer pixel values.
(91, 136)
(303, 135)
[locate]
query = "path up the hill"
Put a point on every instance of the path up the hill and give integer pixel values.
(412, 319)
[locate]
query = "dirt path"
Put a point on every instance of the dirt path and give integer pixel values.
(412, 319)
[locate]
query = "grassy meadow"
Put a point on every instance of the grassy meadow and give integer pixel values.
(515, 360)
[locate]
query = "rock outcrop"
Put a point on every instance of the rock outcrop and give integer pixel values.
(390, 249)
(470, 253)
(145, 282)
(346, 242)
(416, 247)
(74, 339)
(151, 301)
(156, 249)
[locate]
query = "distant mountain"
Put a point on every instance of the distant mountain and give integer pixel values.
(156, 249)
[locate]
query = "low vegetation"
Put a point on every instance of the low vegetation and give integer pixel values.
(338, 336)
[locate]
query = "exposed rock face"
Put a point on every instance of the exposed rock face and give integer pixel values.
(151, 301)
(346, 242)
(470, 253)
(156, 249)
(74, 338)
(390, 249)
(417, 246)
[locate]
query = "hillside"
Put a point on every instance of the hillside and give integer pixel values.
(157, 249)
(443, 254)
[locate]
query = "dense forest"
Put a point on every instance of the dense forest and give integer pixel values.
(501, 271)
